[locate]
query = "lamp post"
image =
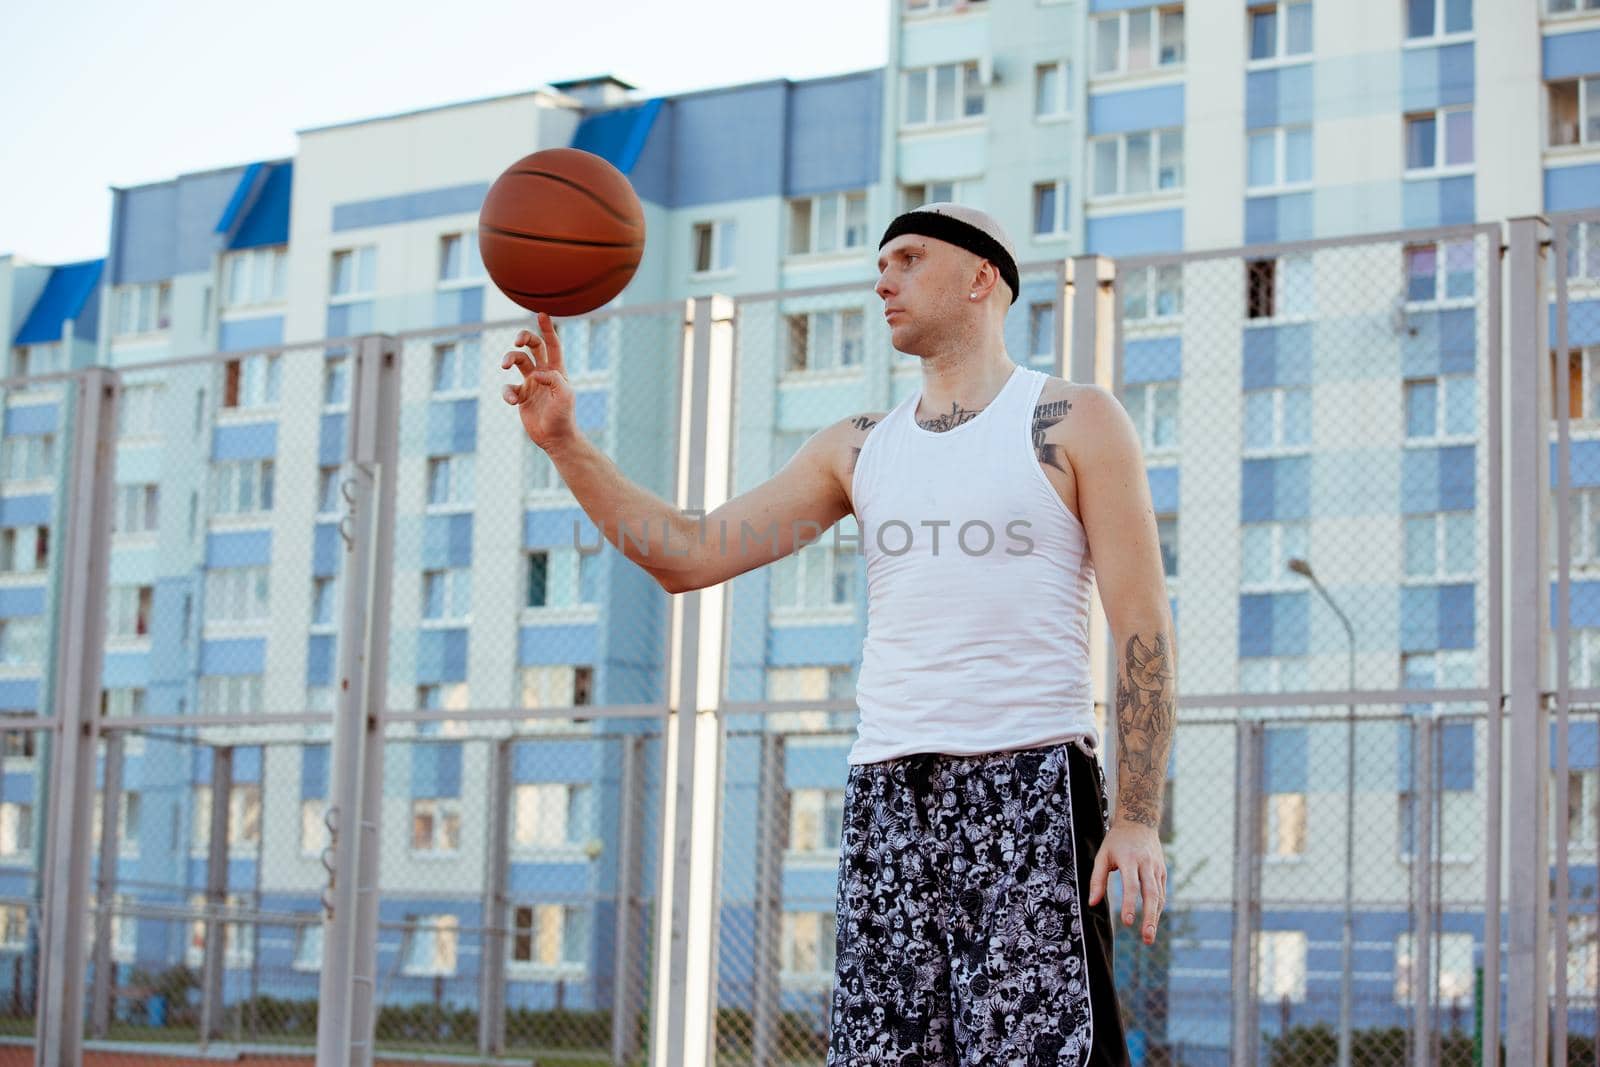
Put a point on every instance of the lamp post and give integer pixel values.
(1348, 943)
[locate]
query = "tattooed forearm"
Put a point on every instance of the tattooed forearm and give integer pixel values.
(1146, 696)
(1045, 416)
(955, 417)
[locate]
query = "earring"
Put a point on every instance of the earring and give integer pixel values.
(972, 296)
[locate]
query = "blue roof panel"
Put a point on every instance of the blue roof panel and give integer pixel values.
(617, 136)
(66, 295)
(267, 222)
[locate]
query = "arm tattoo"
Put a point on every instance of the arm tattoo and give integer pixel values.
(1045, 416)
(863, 423)
(956, 416)
(1145, 703)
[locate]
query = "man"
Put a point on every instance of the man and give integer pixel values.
(973, 924)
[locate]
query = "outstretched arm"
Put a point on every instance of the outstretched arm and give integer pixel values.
(1114, 501)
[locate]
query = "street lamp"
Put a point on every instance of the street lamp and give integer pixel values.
(1347, 947)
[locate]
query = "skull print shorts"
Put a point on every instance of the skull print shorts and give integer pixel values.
(963, 932)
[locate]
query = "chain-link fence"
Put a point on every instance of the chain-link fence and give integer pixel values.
(1574, 763)
(333, 759)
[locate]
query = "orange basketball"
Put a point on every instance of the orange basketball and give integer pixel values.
(561, 231)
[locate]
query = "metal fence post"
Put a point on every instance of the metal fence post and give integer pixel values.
(624, 999)
(375, 444)
(685, 1000)
(1246, 891)
(215, 960)
(1425, 797)
(350, 945)
(1528, 598)
(772, 837)
(75, 681)
(492, 971)
(106, 885)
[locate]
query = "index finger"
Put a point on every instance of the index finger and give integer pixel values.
(552, 342)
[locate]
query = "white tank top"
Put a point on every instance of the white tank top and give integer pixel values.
(978, 582)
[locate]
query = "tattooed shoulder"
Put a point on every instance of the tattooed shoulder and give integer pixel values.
(1051, 410)
(861, 423)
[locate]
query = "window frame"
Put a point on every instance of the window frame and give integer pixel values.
(437, 926)
(1158, 140)
(834, 353)
(723, 234)
(129, 307)
(1584, 143)
(1061, 104)
(1279, 579)
(1280, 444)
(1439, 34)
(470, 270)
(1281, 56)
(1281, 182)
(251, 265)
(461, 468)
(440, 811)
(1267, 976)
(844, 229)
(1061, 190)
(363, 274)
(1441, 571)
(966, 72)
(1145, 417)
(1125, 22)
(1441, 167)
(1444, 386)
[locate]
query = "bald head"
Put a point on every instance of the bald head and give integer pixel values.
(965, 227)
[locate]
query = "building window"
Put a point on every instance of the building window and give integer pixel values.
(1052, 204)
(1135, 164)
(549, 935)
(13, 927)
(1130, 42)
(1439, 141)
(138, 508)
(18, 745)
(1562, 7)
(450, 480)
(1151, 294)
(127, 824)
(430, 945)
(1283, 825)
(549, 815)
(230, 694)
(1583, 807)
(436, 824)
(1583, 251)
(308, 948)
(314, 836)
(714, 245)
(459, 260)
(1042, 333)
(447, 595)
(139, 411)
(1583, 532)
(829, 683)
(16, 829)
(1441, 271)
(1265, 549)
(455, 367)
(1441, 545)
(1167, 534)
(121, 703)
(917, 194)
(1280, 158)
(1455, 967)
(816, 820)
(328, 498)
(254, 277)
(1153, 407)
(824, 340)
(1277, 419)
(24, 549)
(143, 309)
(1279, 288)
(1280, 30)
(324, 601)
(950, 92)
(128, 610)
(808, 944)
(22, 642)
(28, 458)
(1583, 953)
(556, 686)
(237, 594)
(251, 382)
(1441, 408)
(244, 818)
(924, 7)
(822, 224)
(1436, 18)
(1052, 90)
(336, 382)
(35, 359)
(538, 580)
(816, 578)
(1281, 966)
(353, 272)
(238, 949)
(443, 696)
(1575, 112)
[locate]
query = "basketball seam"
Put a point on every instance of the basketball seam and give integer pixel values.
(553, 294)
(548, 239)
(590, 193)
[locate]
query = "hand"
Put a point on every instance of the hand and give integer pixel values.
(1135, 850)
(544, 399)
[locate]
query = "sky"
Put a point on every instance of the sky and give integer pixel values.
(103, 93)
